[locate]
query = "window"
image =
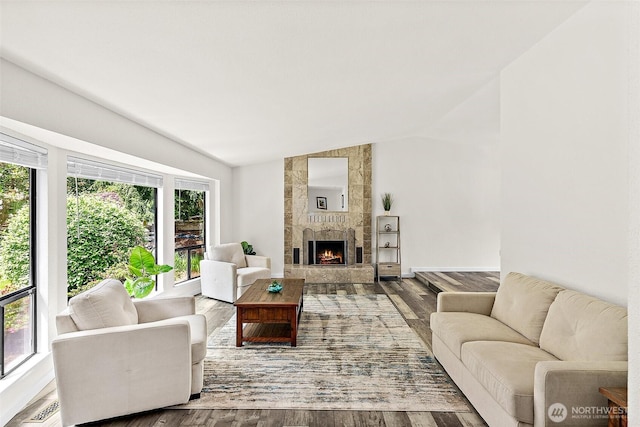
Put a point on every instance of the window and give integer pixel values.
(18, 163)
(110, 210)
(190, 199)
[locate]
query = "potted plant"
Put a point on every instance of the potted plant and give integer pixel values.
(143, 267)
(247, 248)
(387, 201)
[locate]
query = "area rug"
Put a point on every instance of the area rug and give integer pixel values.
(355, 352)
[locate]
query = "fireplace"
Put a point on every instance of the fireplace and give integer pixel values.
(327, 252)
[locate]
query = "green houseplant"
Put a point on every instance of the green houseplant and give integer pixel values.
(143, 267)
(247, 248)
(387, 201)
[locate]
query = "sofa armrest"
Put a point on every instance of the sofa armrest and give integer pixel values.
(108, 372)
(470, 302)
(258, 261)
(575, 385)
(151, 310)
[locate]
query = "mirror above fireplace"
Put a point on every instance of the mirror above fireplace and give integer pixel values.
(328, 184)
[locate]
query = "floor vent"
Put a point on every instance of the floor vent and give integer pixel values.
(45, 413)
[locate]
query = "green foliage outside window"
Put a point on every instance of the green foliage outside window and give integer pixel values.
(14, 252)
(100, 235)
(188, 204)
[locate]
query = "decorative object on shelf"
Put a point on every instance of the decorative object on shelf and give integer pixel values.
(387, 227)
(321, 203)
(387, 244)
(387, 201)
(247, 248)
(275, 287)
(143, 268)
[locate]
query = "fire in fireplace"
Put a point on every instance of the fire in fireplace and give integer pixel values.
(327, 252)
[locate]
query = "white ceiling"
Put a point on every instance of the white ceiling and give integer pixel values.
(248, 81)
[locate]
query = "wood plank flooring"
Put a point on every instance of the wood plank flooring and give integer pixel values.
(461, 282)
(415, 299)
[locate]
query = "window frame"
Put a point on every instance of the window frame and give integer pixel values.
(183, 185)
(30, 291)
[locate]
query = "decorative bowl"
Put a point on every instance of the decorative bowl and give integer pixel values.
(274, 287)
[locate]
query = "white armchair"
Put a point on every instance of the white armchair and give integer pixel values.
(226, 271)
(114, 356)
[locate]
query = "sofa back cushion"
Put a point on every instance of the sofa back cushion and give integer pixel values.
(522, 303)
(581, 327)
(105, 305)
(230, 252)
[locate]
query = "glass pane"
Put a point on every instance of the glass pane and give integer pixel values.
(189, 232)
(180, 266)
(15, 254)
(197, 255)
(105, 220)
(17, 332)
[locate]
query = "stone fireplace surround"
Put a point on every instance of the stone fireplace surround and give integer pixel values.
(300, 225)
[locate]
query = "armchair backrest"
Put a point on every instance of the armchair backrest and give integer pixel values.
(229, 252)
(105, 305)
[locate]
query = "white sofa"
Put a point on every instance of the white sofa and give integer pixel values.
(226, 272)
(532, 353)
(114, 356)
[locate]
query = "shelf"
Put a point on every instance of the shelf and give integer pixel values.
(388, 257)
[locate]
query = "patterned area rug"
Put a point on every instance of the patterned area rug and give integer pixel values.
(354, 352)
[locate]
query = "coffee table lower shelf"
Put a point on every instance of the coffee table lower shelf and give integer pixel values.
(266, 332)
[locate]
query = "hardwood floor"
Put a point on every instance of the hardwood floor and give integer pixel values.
(415, 299)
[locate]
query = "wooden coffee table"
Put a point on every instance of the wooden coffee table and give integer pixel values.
(274, 316)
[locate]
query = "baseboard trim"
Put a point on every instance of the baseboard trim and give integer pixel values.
(454, 269)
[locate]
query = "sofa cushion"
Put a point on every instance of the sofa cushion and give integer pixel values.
(229, 252)
(506, 370)
(105, 305)
(581, 327)
(456, 328)
(522, 303)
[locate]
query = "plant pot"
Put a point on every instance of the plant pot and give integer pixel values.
(387, 213)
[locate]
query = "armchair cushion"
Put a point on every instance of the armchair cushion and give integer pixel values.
(229, 252)
(105, 305)
(248, 275)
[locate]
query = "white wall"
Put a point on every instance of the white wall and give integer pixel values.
(447, 194)
(633, 14)
(258, 206)
(564, 166)
(571, 162)
(34, 105)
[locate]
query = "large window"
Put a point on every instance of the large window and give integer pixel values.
(18, 163)
(108, 214)
(190, 199)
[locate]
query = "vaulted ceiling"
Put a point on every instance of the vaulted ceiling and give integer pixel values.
(253, 81)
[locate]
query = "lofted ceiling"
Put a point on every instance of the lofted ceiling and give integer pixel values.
(248, 82)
